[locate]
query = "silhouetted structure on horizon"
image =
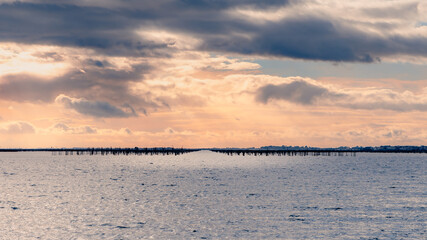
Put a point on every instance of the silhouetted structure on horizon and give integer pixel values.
(107, 151)
(267, 150)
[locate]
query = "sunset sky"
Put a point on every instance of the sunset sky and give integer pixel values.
(212, 73)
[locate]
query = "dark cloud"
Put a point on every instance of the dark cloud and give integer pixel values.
(225, 4)
(305, 92)
(96, 108)
(92, 83)
(106, 30)
(306, 38)
(49, 56)
(112, 28)
(98, 63)
(17, 128)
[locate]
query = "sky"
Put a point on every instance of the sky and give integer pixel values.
(212, 73)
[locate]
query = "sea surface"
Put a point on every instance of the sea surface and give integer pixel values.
(207, 195)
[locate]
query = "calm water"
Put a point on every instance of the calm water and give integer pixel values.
(206, 195)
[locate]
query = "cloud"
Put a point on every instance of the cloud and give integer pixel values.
(375, 134)
(309, 92)
(93, 82)
(396, 11)
(89, 130)
(105, 30)
(182, 100)
(96, 108)
(49, 56)
(224, 4)
(394, 133)
(298, 91)
(62, 127)
(17, 128)
(305, 31)
(24, 87)
(309, 38)
(127, 131)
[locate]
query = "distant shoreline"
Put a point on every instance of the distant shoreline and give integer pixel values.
(267, 150)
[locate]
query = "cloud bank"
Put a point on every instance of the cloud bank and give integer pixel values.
(309, 92)
(298, 29)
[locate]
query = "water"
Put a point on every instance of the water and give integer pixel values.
(206, 195)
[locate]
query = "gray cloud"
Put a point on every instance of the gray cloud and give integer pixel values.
(394, 134)
(96, 108)
(111, 29)
(62, 126)
(49, 56)
(406, 10)
(89, 130)
(128, 131)
(25, 87)
(313, 38)
(94, 83)
(164, 6)
(298, 91)
(182, 100)
(98, 63)
(224, 4)
(17, 128)
(304, 92)
(97, 81)
(75, 130)
(108, 31)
